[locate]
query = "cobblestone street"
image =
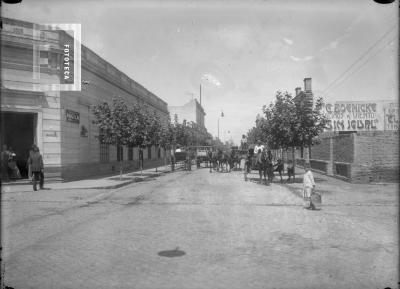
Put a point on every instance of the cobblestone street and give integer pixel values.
(231, 234)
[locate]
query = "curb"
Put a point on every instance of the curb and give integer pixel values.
(135, 179)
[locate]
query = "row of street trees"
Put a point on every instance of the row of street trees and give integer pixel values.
(135, 126)
(289, 123)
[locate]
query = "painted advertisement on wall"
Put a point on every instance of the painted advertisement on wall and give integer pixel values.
(361, 115)
(391, 116)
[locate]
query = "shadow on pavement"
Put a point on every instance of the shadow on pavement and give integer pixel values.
(121, 179)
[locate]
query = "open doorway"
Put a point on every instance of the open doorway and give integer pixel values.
(18, 134)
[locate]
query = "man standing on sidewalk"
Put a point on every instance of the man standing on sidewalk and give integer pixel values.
(36, 162)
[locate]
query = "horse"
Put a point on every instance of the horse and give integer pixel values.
(209, 159)
(219, 159)
(224, 161)
(247, 165)
(263, 165)
(236, 158)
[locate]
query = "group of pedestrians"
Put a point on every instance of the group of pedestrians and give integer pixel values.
(10, 170)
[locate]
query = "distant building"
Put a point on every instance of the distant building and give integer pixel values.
(191, 111)
(58, 121)
(305, 97)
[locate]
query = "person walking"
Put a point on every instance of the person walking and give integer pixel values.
(209, 158)
(36, 162)
(290, 171)
(258, 147)
(308, 187)
(279, 167)
(28, 166)
(247, 165)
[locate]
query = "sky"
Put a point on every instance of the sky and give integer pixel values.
(240, 52)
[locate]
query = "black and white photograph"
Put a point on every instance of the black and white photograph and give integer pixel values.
(199, 144)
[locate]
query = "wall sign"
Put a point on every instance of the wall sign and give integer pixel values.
(391, 112)
(361, 116)
(72, 116)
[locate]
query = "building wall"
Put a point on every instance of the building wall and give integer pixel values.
(343, 148)
(18, 93)
(67, 153)
(321, 151)
(191, 111)
(83, 151)
(376, 157)
(183, 113)
(357, 157)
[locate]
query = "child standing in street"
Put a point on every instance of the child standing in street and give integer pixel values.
(308, 187)
(247, 165)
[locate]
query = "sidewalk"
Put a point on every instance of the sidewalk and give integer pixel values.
(338, 192)
(111, 182)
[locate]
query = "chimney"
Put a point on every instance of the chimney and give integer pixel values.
(307, 84)
(298, 90)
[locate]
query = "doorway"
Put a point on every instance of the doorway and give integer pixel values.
(18, 134)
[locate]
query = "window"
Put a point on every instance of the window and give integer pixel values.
(130, 153)
(149, 152)
(104, 153)
(44, 58)
(120, 153)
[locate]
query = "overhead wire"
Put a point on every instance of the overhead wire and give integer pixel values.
(332, 84)
(363, 63)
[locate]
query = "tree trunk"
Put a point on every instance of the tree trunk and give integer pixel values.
(307, 155)
(173, 158)
(294, 163)
(141, 160)
(120, 169)
(157, 162)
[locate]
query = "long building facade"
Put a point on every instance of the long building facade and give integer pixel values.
(60, 121)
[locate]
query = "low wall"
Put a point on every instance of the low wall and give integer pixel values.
(361, 157)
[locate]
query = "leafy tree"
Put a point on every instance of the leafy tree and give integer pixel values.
(116, 124)
(291, 124)
(257, 132)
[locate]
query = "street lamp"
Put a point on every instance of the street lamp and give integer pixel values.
(222, 115)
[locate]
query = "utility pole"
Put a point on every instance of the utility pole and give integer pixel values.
(222, 115)
(200, 94)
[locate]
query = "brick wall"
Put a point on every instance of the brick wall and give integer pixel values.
(343, 148)
(321, 151)
(376, 157)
